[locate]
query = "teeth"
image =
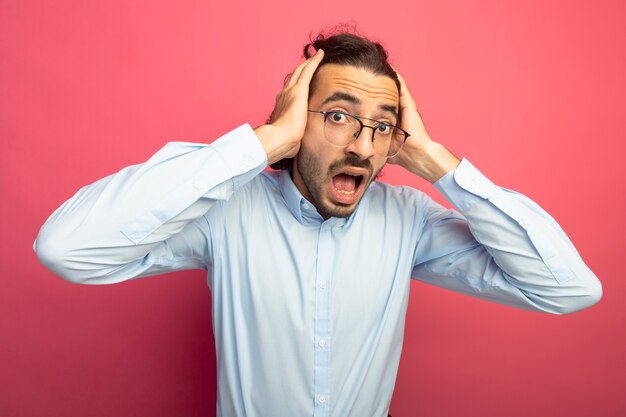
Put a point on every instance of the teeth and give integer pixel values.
(344, 192)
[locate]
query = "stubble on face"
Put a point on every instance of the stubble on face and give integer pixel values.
(320, 168)
(311, 170)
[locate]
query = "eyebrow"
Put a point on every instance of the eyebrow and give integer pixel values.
(341, 96)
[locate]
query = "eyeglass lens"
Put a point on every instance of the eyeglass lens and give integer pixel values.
(342, 129)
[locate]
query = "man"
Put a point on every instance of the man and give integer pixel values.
(309, 266)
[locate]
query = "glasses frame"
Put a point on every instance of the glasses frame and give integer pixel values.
(358, 133)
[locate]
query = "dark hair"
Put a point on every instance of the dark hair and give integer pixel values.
(345, 47)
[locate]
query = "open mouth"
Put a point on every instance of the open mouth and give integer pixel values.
(347, 186)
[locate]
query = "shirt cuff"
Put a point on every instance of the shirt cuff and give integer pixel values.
(243, 153)
(465, 186)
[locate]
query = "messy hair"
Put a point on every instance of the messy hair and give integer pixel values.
(343, 46)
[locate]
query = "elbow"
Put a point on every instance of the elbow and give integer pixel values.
(54, 253)
(587, 296)
(594, 293)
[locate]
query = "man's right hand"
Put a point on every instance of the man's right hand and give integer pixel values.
(281, 137)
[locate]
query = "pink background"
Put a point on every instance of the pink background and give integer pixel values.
(532, 92)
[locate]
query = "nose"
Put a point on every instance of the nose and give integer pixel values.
(363, 146)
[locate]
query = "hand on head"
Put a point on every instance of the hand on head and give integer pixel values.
(420, 154)
(281, 137)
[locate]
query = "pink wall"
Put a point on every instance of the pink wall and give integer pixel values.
(532, 92)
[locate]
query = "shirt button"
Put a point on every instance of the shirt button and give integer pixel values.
(248, 161)
(323, 285)
(524, 222)
(322, 399)
(198, 185)
(470, 183)
(305, 206)
(322, 343)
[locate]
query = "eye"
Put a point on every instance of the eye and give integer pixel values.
(384, 129)
(338, 117)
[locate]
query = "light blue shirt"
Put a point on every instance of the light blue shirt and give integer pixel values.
(309, 314)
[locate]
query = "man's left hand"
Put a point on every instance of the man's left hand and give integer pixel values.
(420, 154)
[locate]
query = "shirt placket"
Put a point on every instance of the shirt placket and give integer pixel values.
(323, 324)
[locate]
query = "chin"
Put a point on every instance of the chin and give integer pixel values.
(337, 210)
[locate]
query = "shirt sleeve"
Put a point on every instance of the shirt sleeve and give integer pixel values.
(502, 247)
(149, 218)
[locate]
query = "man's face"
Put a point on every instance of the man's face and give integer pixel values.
(334, 178)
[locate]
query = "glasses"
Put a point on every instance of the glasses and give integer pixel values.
(343, 129)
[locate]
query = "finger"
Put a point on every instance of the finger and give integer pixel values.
(404, 90)
(293, 77)
(306, 74)
(286, 81)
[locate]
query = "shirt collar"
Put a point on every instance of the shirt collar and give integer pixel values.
(301, 208)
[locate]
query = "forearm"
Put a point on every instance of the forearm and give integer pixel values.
(529, 249)
(504, 248)
(120, 219)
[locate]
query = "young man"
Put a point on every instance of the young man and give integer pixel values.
(309, 266)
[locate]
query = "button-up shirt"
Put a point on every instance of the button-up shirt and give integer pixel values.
(308, 313)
